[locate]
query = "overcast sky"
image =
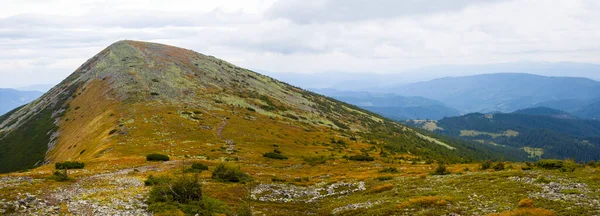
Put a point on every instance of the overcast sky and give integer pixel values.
(42, 41)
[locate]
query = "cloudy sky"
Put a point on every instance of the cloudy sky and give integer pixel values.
(42, 41)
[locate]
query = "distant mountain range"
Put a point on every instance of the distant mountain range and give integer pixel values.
(11, 98)
(393, 106)
(542, 132)
(505, 92)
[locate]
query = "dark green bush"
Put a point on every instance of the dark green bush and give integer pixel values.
(111, 132)
(157, 157)
(389, 170)
(384, 178)
(291, 116)
(151, 180)
(69, 165)
(562, 165)
(199, 166)
(277, 179)
(550, 164)
(154, 93)
(60, 176)
(486, 165)
(226, 173)
(183, 194)
(441, 170)
(361, 158)
(250, 109)
(274, 155)
(593, 164)
(498, 166)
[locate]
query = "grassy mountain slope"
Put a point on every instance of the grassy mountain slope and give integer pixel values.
(550, 133)
(135, 98)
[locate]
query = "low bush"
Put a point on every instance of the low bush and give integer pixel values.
(550, 164)
(384, 178)
(226, 173)
(562, 165)
(593, 164)
(250, 109)
(199, 166)
(361, 158)
(182, 195)
(498, 166)
(157, 157)
(60, 176)
(69, 165)
(486, 165)
(542, 180)
(389, 170)
(424, 202)
(441, 170)
(151, 180)
(277, 179)
(274, 155)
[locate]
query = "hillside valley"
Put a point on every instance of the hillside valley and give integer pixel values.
(542, 132)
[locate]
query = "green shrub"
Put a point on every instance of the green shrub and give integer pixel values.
(550, 164)
(486, 165)
(389, 170)
(154, 93)
(226, 173)
(151, 180)
(274, 155)
(250, 109)
(157, 157)
(183, 194)
(542, 180)
(277, 179)
(562, 165)
(441, 170)
(60, 176)
(111, 132)
(69, 165)
(498, 166)
(291, 116)
(197, 168)
(384, 178)
(361, 158)
(593, 164)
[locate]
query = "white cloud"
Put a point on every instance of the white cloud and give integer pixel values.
(44, 41)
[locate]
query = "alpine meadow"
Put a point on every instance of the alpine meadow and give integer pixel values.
(288, 107)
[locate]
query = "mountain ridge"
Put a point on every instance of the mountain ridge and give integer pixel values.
(135, 98)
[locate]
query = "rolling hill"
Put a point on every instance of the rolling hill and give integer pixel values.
(136, 98)
(11, 98)
(504, 92)
(547, 132)
(393, 106)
